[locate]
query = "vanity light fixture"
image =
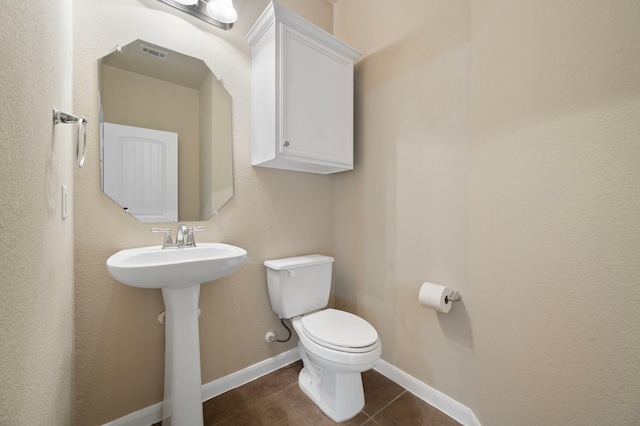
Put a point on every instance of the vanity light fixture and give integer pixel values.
(222, 10)
(219, 13)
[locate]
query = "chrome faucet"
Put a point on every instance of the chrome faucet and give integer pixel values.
(180, 234)
(183, 230)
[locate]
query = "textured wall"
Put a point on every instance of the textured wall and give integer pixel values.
(36, 245)
(497, 147)
(401, 216)
(555, 208)
(119, 343)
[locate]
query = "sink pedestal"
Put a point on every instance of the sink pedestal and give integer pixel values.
(182, 381)
(178, 272)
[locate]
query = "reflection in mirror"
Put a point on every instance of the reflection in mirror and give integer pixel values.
(165, 134)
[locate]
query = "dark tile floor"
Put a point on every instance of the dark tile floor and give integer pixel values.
(276, 399)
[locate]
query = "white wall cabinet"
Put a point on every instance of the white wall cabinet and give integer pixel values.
(302, 95)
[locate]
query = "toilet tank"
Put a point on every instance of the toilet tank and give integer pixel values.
(299, 285)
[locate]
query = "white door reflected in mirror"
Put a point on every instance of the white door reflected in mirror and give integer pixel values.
(141, 171)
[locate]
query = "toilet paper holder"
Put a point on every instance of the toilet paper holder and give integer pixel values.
(453, 297)
(438, 297)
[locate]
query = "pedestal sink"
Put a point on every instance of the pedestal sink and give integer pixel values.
(179, 273)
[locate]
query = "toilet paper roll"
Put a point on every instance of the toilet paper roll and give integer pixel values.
(435, 296)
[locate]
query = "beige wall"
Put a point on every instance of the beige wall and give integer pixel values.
(497, 152)
(554, 208)
(216, 147)
(119, 350)
(401, 217)
(207, 124)
(36, 245)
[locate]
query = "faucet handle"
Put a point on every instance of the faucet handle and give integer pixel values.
(190, 239)
(167, 236)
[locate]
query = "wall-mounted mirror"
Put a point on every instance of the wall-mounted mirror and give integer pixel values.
(165, 134)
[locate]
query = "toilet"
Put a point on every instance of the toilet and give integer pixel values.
(335, 346)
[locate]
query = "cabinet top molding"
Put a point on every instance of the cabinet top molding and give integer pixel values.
(275, 13)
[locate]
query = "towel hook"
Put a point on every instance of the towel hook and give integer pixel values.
(63, 117)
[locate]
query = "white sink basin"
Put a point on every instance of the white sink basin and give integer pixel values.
(155, 267)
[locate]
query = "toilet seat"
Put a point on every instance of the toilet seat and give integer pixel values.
(323, 355)
(340, 331)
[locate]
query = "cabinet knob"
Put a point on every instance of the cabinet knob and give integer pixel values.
(286, 143)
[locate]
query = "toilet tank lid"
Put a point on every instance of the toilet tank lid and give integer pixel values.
(298, 261)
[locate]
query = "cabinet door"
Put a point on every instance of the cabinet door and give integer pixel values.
(316, 105)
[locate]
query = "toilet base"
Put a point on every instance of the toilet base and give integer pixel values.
(339, 395)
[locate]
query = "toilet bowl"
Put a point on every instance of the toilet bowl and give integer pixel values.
(334, 356)
(335, 346)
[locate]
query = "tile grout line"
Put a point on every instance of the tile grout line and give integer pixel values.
(369, 419)
(388, 404)
(282, 390)
(248, 408)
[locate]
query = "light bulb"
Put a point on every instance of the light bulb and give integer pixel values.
(223, 11)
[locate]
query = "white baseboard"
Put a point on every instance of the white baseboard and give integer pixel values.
(145, 417)
(153, 414)
(239, 378)
(442, 402)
